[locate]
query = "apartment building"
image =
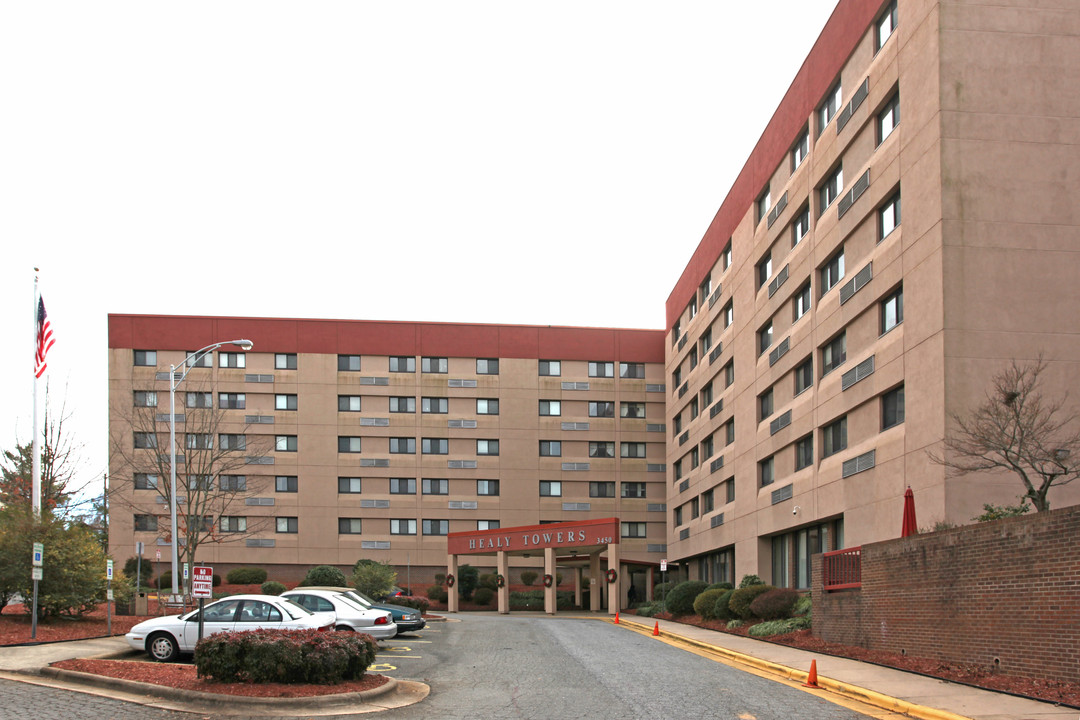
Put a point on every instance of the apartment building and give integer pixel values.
(337, 440)
(905, 226)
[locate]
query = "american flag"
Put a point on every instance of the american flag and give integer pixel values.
(44, 339)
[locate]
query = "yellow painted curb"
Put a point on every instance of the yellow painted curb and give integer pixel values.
(870, 697)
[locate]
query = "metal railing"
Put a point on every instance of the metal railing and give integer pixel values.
(842, 569)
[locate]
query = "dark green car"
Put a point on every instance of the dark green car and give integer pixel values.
(407, 619)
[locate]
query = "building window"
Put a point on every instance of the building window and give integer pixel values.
(348, 444)
(763, 204)
(287, 525)
(285, 483)
(199, 441)
(601, 449)
(351, 403)
(728, 313)
(767, 470)
(487, 525)
(800, 151)
(285, 443)
(889, 216)
(284, 402)
(706, 394)
(725, 256)
(436, 527)
(632, 371)
(708, 447)
(729, 432)
(833, 354)
(602, 489)
(285, 361)
(633, 489)
(765, 336)
(146, 523)
(705, 343)
(203, 361)
(691, 308)
(676, 516)
(804, 452)
(433, 365)
(402, 364)
(632, 410)
(550, 448)
(828, 109)
(633, 529)
(434, 405)
(232, 401)
(145, 398)
(694, 408)
(695, 508)
(729, 490)
(200, 482)
(764, 271)
(676, 378)
(729, 373)
(348, 363)
(892, 311)
(402, 446)
(552, 408)
(600, 409)
(801, 302)
(487, 487)
(892, 408)
(233, 524)
(145, 481)
(704, 289)
(487, 447)
(804, 375)
(349, 485)
(888, 118)
(232, 441)
(886, 25)
(145, 358)
(708, 501)
(349, 526)
(830, 189)
(436, 486)
(402, 527)
(487, 366)
(677, 469)
(199, 400)
(487, 406)
(402, 486)
(436, 446)
(601, 369)
(397, 404)
(800, 226)
(832, 272)
(549, 368)
(676, 332)
(632, 449)
(695, 457)
(834, 437)
(676, 425)
(550, 488)
(232, 360)
(765, 404)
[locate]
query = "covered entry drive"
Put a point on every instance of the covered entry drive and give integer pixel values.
(570, 543)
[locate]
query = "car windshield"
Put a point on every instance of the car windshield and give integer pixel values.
(359, 598)
(295, 610)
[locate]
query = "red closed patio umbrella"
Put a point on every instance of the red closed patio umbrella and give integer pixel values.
(909, 527)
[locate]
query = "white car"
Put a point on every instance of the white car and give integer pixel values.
(351, 615)
(165, 638)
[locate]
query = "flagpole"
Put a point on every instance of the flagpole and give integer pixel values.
(36, 443)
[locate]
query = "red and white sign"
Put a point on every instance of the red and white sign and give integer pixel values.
(202, 582)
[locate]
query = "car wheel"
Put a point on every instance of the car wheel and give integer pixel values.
(163, 647)
(343, 628)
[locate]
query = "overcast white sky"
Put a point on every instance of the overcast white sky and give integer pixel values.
(490, 162)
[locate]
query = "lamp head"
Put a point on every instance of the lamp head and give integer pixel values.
(244, 344)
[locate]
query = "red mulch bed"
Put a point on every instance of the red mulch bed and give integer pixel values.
(184, 677)
(1049, 690)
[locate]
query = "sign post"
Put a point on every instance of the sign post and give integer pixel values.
(663, 579)
(35, 575)
(108, 596)
(202, 587)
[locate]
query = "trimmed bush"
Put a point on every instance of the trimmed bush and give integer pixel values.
(660, 590)
(779, 627)
(734, 624)
(803, 605)
(246, 576)
(648, 609)
(483, 595)
(722, 609)
(324, 575)
(373, 578)
(165, 580)
(705, 603)
(680, 601)
(285, 656)
(534, 600)
(489, 581)
(272, 587)
(413, 601)
(215, 580)
(748, 580)
(721, 586)
(775, 604)
(558, 578)
(133, 564)
(528, 577)
(741, 599)
(440, 578)
(437, 593)
(467, 580)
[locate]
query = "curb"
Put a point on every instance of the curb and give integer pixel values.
(870, 697)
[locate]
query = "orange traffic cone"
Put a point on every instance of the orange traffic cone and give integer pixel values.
(656, 629)
(616, 617)
(811, 678)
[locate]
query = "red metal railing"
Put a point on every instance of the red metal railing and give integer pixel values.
(842, 569)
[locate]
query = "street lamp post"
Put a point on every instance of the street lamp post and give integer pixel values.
(174, 382)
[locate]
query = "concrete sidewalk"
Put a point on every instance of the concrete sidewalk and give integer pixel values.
(883, 687)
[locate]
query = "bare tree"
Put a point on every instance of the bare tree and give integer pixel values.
(1019, 430)
(212, 457)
